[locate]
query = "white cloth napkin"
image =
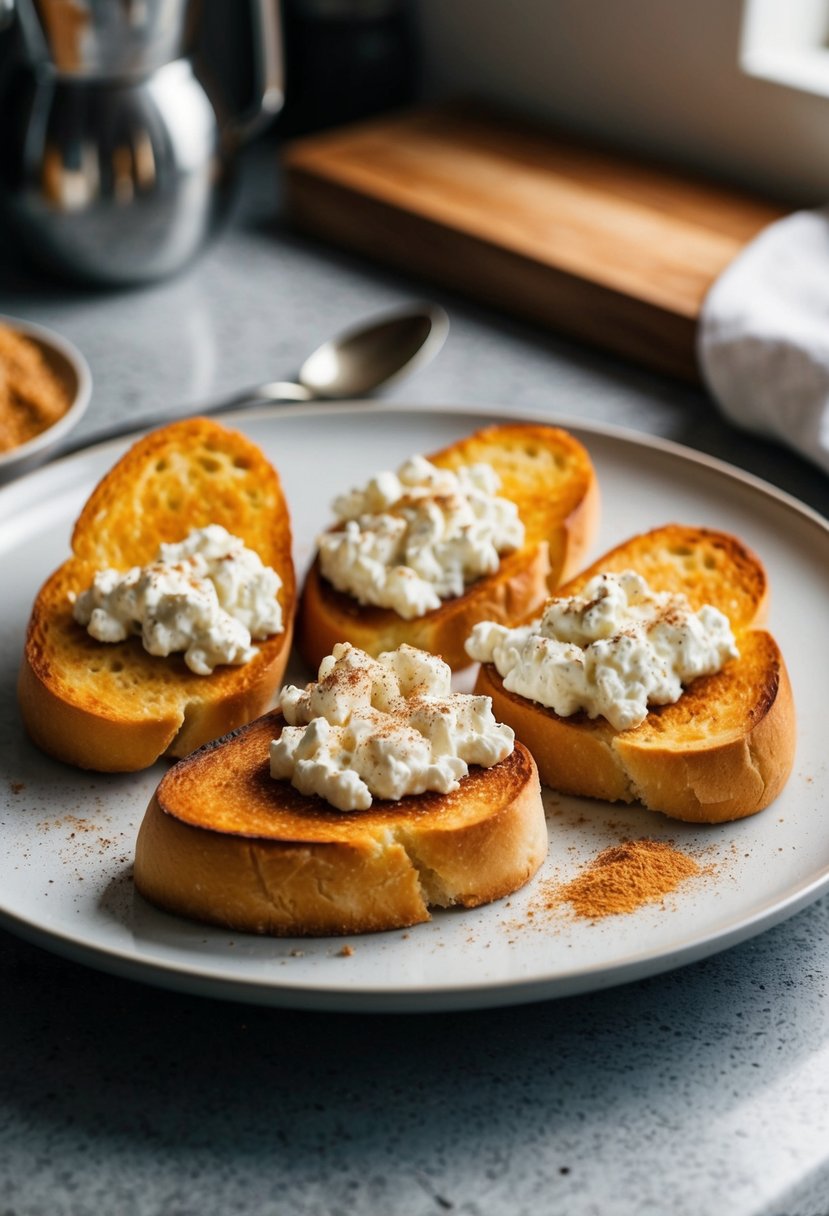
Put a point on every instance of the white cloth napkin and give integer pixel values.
(763, 343)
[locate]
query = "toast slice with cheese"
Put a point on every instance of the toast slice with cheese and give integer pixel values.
(113, 706)
(549, 475)
(224, 842)
(725, 749)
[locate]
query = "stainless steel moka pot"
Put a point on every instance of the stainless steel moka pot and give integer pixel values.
(115, 158)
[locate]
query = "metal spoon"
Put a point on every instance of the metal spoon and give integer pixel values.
(353, 364)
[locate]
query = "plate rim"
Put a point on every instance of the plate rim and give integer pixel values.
(414, 999)
(569, 422)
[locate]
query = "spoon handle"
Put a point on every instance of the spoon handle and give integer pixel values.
(277, 392)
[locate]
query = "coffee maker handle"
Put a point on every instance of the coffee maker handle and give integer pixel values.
(268, 69)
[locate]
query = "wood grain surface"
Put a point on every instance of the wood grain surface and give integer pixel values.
(616, 252)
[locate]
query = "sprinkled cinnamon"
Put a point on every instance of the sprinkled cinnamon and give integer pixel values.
(627, 875)
(31, 396)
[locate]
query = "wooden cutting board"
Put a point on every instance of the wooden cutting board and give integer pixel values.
(609, 250)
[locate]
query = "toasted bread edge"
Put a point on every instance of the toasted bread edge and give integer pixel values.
(726, 777)
(369, 881)
(65, 713)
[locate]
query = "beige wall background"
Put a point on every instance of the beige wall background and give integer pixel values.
(661, 77)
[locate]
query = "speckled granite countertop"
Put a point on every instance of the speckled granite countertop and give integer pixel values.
(702, 1091)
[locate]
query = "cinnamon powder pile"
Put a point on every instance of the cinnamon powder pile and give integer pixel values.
(627, 875)
(32, 397)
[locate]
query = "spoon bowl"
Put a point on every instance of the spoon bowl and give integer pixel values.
(367, 356)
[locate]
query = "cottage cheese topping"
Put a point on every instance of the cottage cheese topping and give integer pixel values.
(416, 537)
(611, 651)
(383, 728)
(208, 596)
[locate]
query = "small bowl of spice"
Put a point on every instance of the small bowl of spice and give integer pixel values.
(45, 386)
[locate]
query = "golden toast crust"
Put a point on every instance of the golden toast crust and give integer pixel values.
(223, 842)
(726, 748)
(113, 707)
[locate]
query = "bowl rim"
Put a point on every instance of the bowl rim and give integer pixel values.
(54, 433)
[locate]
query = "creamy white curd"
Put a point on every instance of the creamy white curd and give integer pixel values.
(208, 596)
(383, 728)
(419, 536)
(611, 651)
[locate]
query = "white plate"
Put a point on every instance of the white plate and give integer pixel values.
(66, 837)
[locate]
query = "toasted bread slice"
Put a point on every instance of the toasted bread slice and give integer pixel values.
(725, 749)
(550, 477)
(114, 707)
(223, 842)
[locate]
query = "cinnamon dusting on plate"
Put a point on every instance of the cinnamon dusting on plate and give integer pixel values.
(625, 876)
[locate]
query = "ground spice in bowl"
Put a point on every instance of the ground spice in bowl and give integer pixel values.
(627, 875)
(33, 396)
